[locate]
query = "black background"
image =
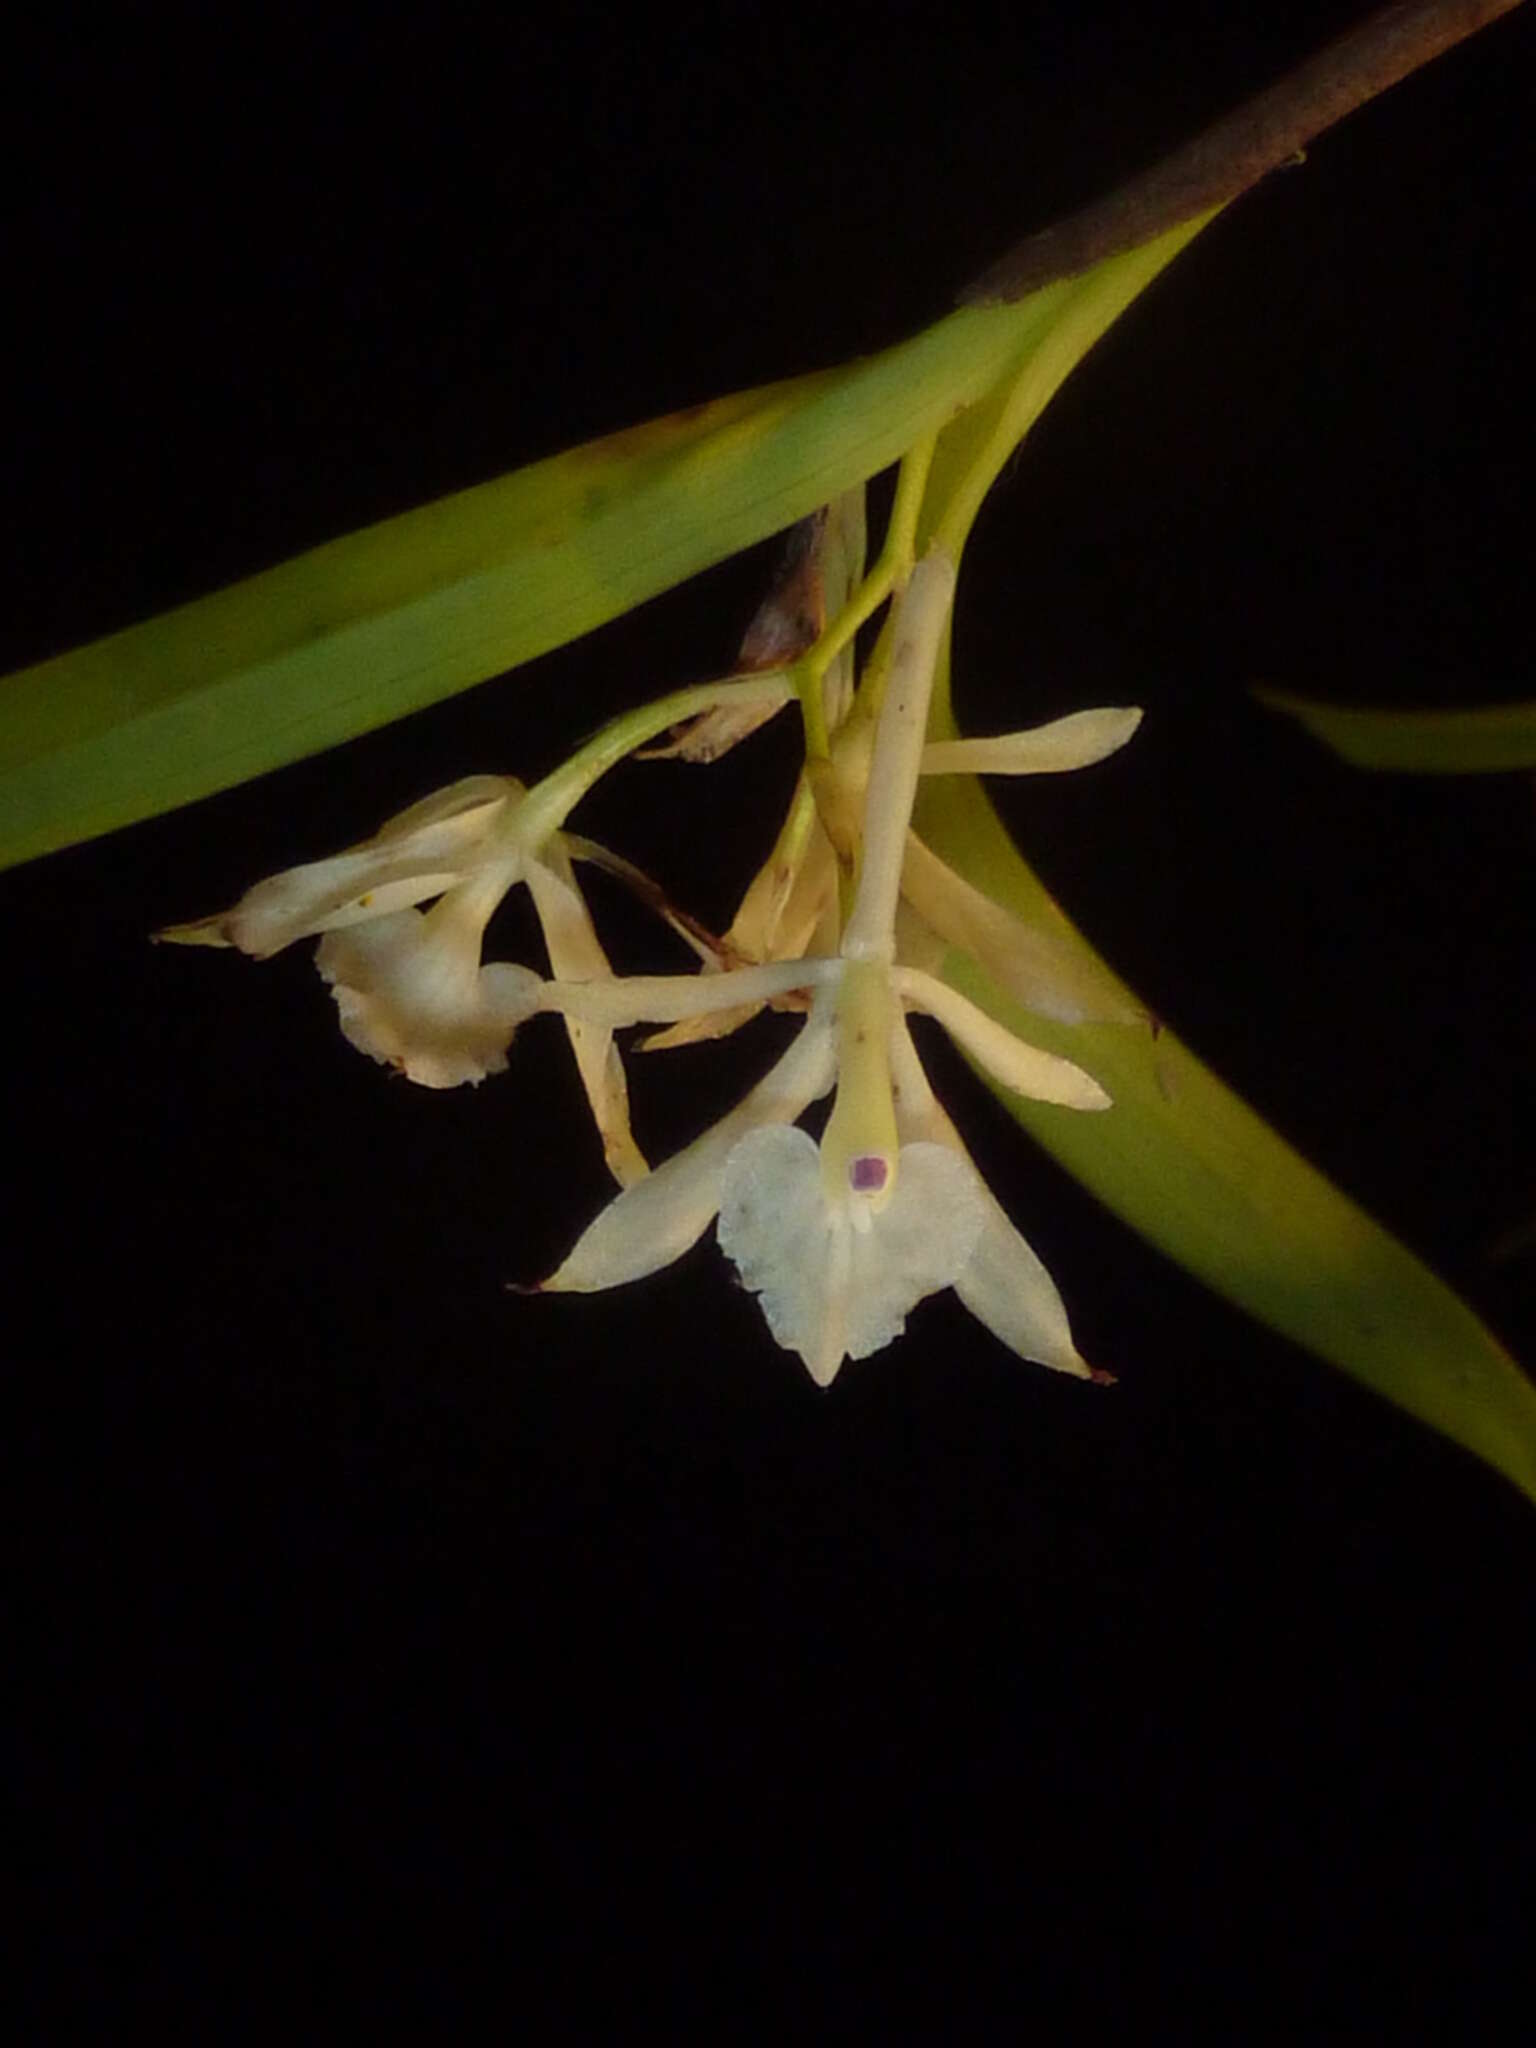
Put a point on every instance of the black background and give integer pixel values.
(375, 1627)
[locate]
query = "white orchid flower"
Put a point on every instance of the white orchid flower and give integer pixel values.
(841, 1239)
(409, 983)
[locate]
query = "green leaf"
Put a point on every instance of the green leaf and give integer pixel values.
(402, 614)
(1190, 1166)
(1488, 739)
(1180, 1157)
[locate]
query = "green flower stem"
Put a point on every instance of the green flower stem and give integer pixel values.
(813, 712)
(897, 554)
(550, 802)
(973, 450)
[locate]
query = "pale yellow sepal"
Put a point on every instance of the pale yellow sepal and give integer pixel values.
(667, 998)
(415, 856)
(1003, 1283)
(789, 911)
(576, 954)
(1044, 971)
(1043, 1076)
(1076, 741)
(655, 1221)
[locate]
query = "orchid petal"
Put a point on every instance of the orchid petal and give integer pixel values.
(786, 903)
(1041, 970)
(787, 913)
(1044, 1076)
(1006, 1287)
(417, 855)
(1076, 741)
(655, 1221)
(575, 953)
(833, 1284)
(323, 895)
(1004, 1284)
(699, 1030)
(666, 998)
(460, 805)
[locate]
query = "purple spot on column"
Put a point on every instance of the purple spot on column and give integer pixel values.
(867, 1175)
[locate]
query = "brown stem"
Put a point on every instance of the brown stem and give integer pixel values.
(1243, 146)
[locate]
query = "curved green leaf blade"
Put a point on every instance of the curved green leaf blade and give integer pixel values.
(1180, 1157)
(1190, 1166)
(402, 614)
(1486, 740)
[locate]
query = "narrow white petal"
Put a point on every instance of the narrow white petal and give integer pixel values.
(1006, 1287)
(1044, 1076)
(1076, 741)
(418, 855)
(328, 895)
(1047, 971)
(831, 1289)
(656, 1220)
(697, 1030)
(917, 943)
(575, 953)
(463, 809)
(1003, 1284)
(197, 931)
(667, 998)
(787, 899)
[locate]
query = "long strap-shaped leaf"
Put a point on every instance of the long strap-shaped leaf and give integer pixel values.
(1181, 1158)
(400, 615)
(1191, 1167)
(1485, 739)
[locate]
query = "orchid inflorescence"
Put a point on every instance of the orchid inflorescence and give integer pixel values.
(839, 1238)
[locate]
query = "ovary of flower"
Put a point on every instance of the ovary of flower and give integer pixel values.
(840, 1240)
(409, 984)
